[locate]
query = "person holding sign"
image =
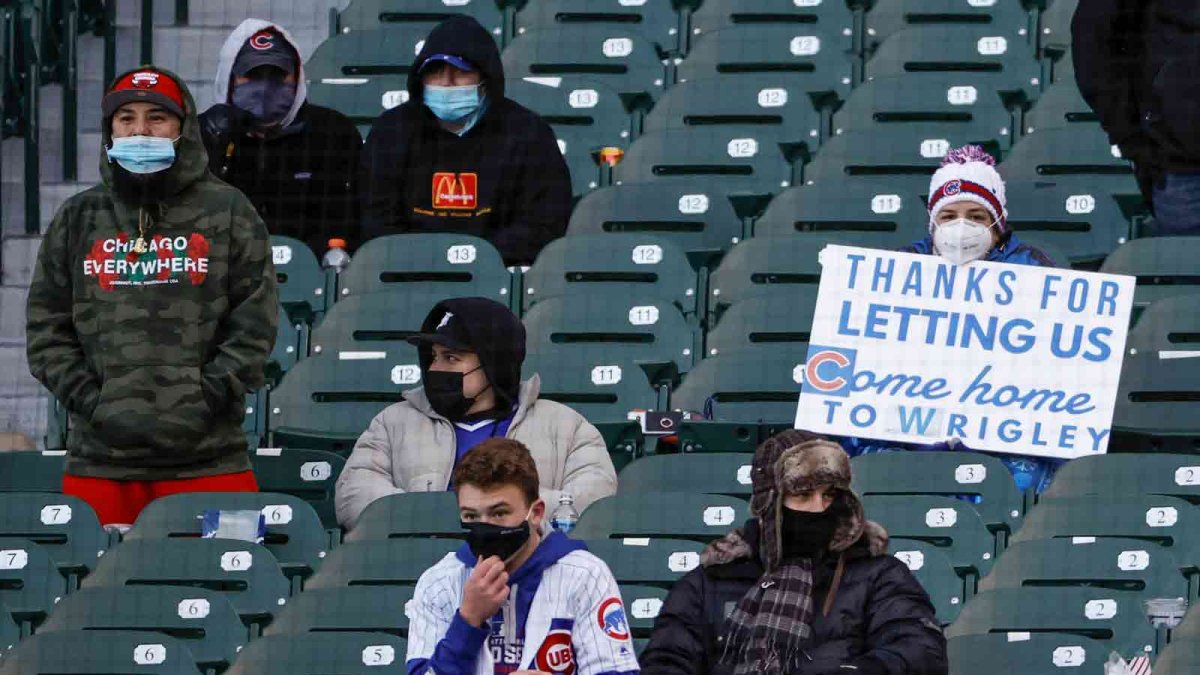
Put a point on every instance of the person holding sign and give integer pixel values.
(812, 587)
(470, 352)
(968, 221)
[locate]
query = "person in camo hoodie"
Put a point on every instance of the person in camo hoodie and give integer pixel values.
(152, 310)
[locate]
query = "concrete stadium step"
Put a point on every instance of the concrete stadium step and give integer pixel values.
(50, 158)
(52, 197)
(19, 256)
(25, 414)
(12, 314)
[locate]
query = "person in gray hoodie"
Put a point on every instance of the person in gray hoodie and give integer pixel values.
(471, 351)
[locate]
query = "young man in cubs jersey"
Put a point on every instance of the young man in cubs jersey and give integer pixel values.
(512, 600)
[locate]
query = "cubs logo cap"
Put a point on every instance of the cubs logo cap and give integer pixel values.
(144, 86)
(267, 47)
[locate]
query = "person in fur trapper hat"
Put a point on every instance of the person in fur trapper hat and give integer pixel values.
(805, 587)
(968, 218)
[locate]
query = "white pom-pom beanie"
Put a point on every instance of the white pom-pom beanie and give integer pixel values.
(968, 174)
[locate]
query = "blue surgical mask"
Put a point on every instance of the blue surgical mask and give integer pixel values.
(143, 154)
(452, 104)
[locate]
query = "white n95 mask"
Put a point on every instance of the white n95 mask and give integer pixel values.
(962, 241)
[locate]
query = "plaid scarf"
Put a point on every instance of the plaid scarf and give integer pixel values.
(772, 621)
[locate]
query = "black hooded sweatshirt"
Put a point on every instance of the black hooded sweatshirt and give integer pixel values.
(494, 333)
(504, 180)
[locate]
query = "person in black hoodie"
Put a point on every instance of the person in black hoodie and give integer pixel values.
(805, 587)
(460, 157)
(297, 162)
(1137, 63)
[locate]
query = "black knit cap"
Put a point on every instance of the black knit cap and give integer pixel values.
(484, 327)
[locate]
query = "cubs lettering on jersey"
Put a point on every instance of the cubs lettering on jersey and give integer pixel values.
(563, 615)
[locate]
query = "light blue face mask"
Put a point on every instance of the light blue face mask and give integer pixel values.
(452, 104)
(143, 154)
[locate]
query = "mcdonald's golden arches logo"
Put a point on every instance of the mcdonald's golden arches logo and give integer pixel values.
(455, 190)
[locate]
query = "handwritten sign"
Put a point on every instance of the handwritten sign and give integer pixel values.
(1013, 359)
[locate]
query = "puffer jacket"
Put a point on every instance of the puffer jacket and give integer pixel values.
(880, 621)
(410, 448)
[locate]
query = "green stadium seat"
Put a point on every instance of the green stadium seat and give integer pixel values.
(322, 654)
(1168, 522)
(892, 101)
(1055, 34)
(308, 474)
(1054, 253)
(385, 562)
(719, 473)
(1114, 618)
(1079, 157)
(577, 148)
(287, 346)
(714, 15)
(64, 525)
(606, 328)
(1062, 68)
(203, 620)
(743, 160)
(451, 264)
(409, 514)
(294, 536)
(349, 59)
(100, 652)
(576, 104)
(650, 562)
(765, 322)
(814, 59)
(982, 55)
(1060, 106)
(30, 584)
(375, 326)
(636, 266)
(745, 396)
(254, 423)
(691, 213)
(1158, 405)
(676, 515)
(614, 55)
(1170, 325)
(31, 471)
(868, 215)
(783, 110)
(1025, 653)
(766, 265)
(1008, 19)
(326, 404)
(657, 21)
(10, 632)
(368, 609)
(361, 99)
(983, 478)
(244, 572)
(1089, 225)
(57, 426)
(604, 392)
(1117, 564)
(372, 14)
(1127, 475)
(301, 280)
(1164, 266)
(953, 526)
(643, 603)
(936, 575)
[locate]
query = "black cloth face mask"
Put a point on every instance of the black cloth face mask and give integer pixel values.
(267, 100)
(444, 389)
(806, 534)
(487, 540)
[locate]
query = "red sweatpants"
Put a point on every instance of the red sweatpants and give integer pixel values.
(118, 502)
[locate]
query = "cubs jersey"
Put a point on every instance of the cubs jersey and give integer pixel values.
(563, 615)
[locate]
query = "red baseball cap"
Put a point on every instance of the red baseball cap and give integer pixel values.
(144, 86)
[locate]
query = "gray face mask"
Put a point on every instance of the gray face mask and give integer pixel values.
(268, 100)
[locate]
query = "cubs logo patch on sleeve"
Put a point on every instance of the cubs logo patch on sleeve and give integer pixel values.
(556, 655)
(612, 619)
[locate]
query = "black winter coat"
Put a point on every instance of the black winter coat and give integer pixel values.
(504, 180)
(302, 184)
(881, 621)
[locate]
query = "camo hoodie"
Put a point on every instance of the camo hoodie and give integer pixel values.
(152, 355)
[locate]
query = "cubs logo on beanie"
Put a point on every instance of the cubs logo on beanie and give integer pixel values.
(968, 174)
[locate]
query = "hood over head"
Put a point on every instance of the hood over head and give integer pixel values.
(229, 54)
(191, 159)
(488, 329)
(464, 37)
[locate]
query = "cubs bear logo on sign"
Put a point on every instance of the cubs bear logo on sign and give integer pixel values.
(556, 654)
(612, 619)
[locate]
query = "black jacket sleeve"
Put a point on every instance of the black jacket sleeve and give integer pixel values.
(543, 201)
(342, 215)
(679, 643)
(381, 176)
(903, 635)
(1108, 51)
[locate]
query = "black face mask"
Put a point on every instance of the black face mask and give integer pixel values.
(268, 100)
(444, 389)
(487, 540)
(807, 534)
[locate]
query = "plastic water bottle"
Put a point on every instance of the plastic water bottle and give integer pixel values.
(565, 516)
(336, 257)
